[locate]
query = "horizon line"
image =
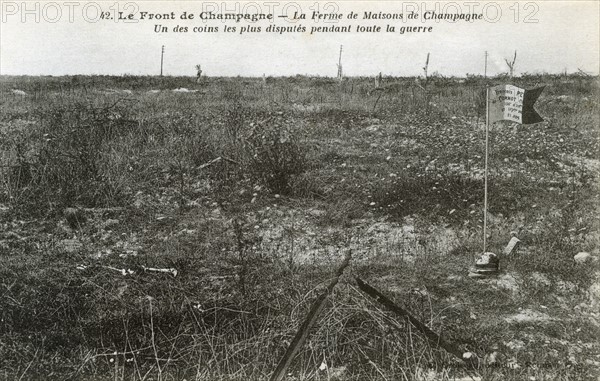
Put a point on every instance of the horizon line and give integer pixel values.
(432, 76)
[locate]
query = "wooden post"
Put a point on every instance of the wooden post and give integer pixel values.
(340, 73)
(433, 337)
(485, 187)
(309, 322)
(378, 80)
(487, 128)
(485, 66)
(162, 55)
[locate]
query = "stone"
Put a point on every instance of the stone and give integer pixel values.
(338, 373)
(491, 358)
(528, 316)
(71, 245)
(515, 345)
(541, 279)
(19, 92)
(508, 282)
(317, 212)
(583, 257)
(110, 223)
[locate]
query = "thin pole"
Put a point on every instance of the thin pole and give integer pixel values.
(487, 134)
(485, 192)
(485, 66)
(162, 55)
(340, 74)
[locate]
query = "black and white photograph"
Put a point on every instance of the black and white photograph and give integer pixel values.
(299, 190)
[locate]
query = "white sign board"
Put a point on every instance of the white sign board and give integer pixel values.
(506, 103)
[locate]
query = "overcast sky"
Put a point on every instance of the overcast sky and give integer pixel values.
(565, 37)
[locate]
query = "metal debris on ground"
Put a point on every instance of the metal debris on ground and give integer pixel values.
(486, 265)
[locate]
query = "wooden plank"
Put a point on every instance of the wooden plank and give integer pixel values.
(429, 334)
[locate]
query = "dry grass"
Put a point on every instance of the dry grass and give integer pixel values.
(253, 192)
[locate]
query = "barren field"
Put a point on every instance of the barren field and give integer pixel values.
(162, 229)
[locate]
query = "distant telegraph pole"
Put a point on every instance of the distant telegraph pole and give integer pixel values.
(340, 72)
(485, 65)
(162, 56)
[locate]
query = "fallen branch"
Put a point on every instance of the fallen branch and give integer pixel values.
(122, 271)
(216, 160)
(230, 160)
(583, 73)
(155, 270)
(308, 323)
(103, 210)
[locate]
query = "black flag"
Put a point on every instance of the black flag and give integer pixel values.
(531, 116)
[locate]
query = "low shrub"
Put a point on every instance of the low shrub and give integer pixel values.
(276, 156)
(57, 160)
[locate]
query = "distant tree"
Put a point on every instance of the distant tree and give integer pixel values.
(426, 67)
(198, 73)
(511, 65)
(425, 75)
